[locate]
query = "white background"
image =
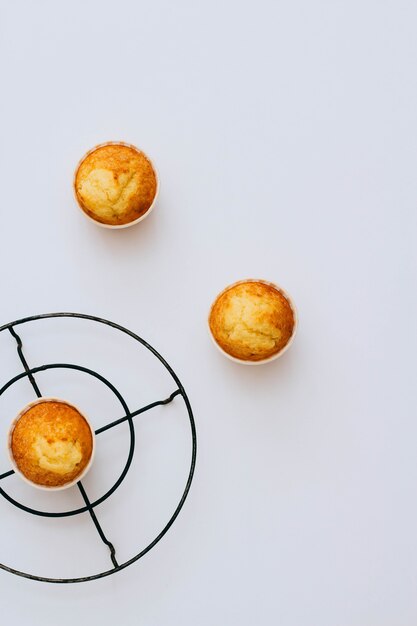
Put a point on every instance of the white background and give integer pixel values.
(285, 138)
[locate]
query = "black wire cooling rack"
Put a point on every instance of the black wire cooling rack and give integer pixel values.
(128, 417)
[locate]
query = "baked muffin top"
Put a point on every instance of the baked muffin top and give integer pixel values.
(252, 320)
(115, 184)
(51, 443)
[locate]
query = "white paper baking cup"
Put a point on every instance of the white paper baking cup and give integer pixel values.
(13, 462)
(287, 345)
(133, 222)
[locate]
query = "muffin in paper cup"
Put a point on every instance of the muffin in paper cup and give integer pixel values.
(51, 444)
(253, 321)
(116, 185)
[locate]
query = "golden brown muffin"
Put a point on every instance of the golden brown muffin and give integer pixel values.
(252, 320)
(115, 184)
(51, 443)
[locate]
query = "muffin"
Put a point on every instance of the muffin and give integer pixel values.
(252, 321)
(115, 184)
(51, 443)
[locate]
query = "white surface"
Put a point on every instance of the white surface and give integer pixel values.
(285, 138)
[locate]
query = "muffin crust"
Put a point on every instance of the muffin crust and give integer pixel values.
(115, 184)
(51, 443)
(252, 320)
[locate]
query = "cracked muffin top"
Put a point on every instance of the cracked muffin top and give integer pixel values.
(51, 443)
(252, 320)
(115, 184)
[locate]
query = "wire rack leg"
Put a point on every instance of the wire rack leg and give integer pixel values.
(6, 474)
(24, 362)
(138, 412)
(97, 525)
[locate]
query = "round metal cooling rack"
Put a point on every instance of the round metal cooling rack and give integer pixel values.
(128, 417)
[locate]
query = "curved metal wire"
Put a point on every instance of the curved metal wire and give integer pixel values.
(128, 417)
(180, 391)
